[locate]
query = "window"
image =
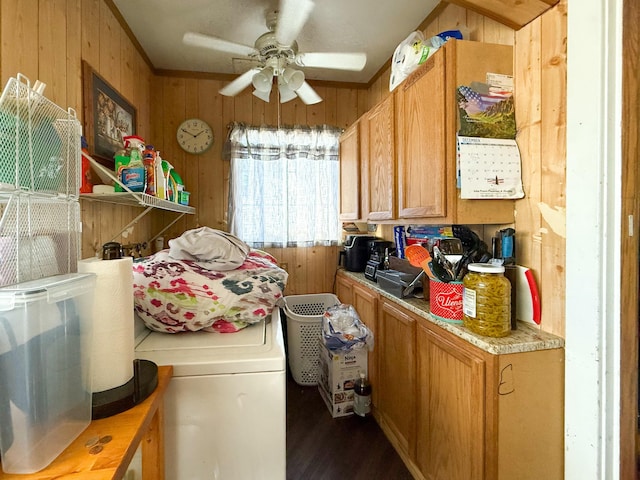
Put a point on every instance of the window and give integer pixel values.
(284, 185)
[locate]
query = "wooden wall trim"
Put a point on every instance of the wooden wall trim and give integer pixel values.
(629, 247)
(512, 13)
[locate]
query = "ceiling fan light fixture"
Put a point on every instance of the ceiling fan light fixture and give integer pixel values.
(294, 78)
(286, 93)
(262, 95)
(263, 80)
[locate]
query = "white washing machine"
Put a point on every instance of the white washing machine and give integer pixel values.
(225, 407)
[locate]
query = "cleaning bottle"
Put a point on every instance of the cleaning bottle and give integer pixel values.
(129, 166)
(178, 185)
(161, 183)
(149, 161)
(167, 168)
(362, 396)
(86, 185)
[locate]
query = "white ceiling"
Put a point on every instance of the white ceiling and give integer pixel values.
(375, 27)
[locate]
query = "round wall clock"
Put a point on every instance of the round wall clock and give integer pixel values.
(194, 136)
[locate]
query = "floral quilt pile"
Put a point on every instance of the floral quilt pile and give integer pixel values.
(173, 295)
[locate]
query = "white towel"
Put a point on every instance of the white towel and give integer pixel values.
(209, 248)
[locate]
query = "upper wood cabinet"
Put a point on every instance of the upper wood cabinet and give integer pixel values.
(422, 161)
(378, 155)
(427, 120)
(350, 173)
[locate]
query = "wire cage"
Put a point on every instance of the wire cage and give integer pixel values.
(40, 143)
(39, 237)
(40, 168)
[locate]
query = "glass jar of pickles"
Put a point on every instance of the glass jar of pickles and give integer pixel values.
(486, 300)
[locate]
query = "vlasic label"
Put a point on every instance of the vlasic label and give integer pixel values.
(469, 303)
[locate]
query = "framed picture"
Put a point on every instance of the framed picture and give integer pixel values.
(107, 116)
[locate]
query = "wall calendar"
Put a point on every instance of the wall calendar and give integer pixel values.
(489, 168)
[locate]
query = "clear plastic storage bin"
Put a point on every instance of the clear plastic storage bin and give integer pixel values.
(45, 368)
(304, 328)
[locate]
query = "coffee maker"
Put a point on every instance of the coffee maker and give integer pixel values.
(378, 252)
(356, 252)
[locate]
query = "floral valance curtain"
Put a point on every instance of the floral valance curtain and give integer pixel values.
(284, 185)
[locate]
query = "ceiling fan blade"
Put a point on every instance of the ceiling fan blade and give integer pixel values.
(236, 86)
(336, 61)
(292, 16)
(215, 43)
(308, 95)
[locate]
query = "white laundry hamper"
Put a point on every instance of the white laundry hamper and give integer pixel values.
(304, 327)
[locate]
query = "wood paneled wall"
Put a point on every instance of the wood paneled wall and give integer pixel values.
(539, 66)
(541, 92)
(47, 40)
(176, 98)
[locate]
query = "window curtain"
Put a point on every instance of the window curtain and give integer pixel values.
(284, 185)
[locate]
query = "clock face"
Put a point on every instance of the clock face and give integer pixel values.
(194, 135)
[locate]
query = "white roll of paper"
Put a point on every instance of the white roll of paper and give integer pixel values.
(113, 345)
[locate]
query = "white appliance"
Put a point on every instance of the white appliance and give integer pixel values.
(225, 407)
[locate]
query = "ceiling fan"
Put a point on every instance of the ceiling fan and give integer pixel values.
(276, 55)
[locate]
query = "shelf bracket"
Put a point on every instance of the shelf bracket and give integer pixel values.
(132, 222)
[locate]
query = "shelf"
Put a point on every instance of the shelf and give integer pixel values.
(134, 199)
(137, 200)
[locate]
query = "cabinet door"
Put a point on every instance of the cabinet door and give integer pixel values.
(396, 373)
(450, 409)
(422, 142)
(378, 159)
(350, 173)
(344, 289)
(365, 302)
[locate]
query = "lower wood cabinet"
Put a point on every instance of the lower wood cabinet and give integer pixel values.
(344, 289)
(485, 416)
(365, 301)
(396, 373)
(454, 411)
(450, 408)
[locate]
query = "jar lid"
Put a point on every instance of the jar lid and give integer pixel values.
(485, 268)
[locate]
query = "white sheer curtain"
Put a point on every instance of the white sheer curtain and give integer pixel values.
(284, 185)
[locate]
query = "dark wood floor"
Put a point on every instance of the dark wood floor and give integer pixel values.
(320, 447)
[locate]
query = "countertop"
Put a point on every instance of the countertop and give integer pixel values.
(526, 338)
(105, 448)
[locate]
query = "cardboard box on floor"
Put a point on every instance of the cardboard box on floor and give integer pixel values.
(337, 376)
